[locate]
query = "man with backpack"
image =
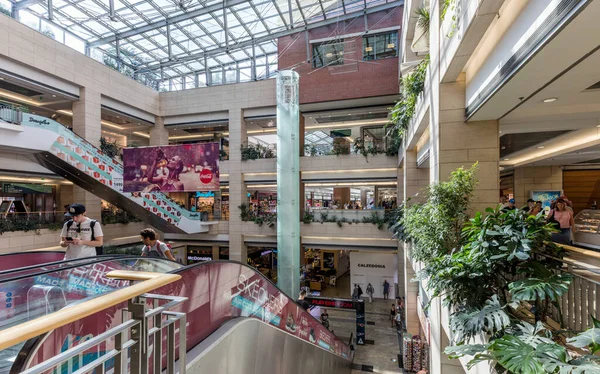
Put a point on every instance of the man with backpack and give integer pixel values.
(154, 247)
(82, 236)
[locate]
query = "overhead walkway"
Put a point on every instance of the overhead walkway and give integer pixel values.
(62, 151)
(215, 297)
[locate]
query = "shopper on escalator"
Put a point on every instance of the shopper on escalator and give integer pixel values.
(303, 303)
(154, 247)
(80, 235)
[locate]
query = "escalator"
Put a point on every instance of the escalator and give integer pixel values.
(218, 292)
(60, 150)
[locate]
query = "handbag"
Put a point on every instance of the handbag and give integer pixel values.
(553, 221)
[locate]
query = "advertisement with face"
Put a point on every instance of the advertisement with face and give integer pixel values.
(186, 167)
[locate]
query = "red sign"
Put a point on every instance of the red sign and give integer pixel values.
(206, 176)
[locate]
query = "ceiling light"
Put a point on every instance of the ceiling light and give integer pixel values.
(110, 124)
(598, 126)
(503, 148)
(67, 112)
(1, 79)
(541, 147)
(142, 134)
(368, 49)
(550, 99)
(391, 46)
(506, 159)
(53, 95)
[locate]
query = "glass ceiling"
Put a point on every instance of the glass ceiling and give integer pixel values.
(161, 40)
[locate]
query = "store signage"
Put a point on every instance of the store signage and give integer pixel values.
(205, 194)
(20, 188)
(199, 258)
(371, 266)
(265, 253)
(332, 303)
(39, 121)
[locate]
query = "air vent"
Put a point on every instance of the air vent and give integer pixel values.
(354, 117)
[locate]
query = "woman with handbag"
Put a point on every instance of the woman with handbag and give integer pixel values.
(562, 217)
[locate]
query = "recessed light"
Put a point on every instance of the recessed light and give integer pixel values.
(506, 159)
(1, 79)
(550, 99)
(597, 125)
(503, 148)
(53, 95)
(540, 147)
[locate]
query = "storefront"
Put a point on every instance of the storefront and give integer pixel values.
(196, 254)
(321, 268)
(373, 268)
(25, 199)
(264, 259)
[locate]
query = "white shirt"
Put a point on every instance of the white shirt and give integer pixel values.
(83, 232)
(158, 247)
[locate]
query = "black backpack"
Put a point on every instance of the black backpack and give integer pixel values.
(99, 250)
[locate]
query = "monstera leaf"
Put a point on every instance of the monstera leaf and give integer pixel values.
(516, 356)
(478, 351)
(589, 338)
(490, 319)
(532, 288)
(533, 335)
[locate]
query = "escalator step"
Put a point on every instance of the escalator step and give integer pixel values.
(365, 368)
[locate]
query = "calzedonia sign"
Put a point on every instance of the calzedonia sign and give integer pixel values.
(371, 266)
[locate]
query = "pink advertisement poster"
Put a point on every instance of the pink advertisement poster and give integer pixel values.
(186, 167)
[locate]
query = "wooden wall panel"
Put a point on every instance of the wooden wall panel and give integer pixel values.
(582, 187)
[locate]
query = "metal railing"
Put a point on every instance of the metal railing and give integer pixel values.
(130, 353)
(11, 113)
(582, 301)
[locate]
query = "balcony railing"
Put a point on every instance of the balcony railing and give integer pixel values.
(11, 113)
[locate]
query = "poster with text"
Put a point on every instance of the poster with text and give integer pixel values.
(173, 168)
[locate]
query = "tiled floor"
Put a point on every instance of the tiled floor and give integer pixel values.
(382, 354)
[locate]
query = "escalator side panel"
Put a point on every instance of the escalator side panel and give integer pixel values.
(219, 292)
(250, 346)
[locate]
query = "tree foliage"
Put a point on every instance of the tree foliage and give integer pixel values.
(434, 227)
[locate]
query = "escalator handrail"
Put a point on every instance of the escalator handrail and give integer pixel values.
(25, 276)
(3, 272)
(176, 271)
(41, 325)
(28, 253)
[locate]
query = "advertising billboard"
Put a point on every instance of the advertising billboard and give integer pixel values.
(185, 167)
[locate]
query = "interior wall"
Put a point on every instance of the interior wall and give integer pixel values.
(582, 187)
(536, 178)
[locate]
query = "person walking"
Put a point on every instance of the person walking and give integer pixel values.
(370, 292)
(563, 219)
(360, 291)
(355, 292)
(80, 235)
(386, 290)
(153, 247)
(393, 314)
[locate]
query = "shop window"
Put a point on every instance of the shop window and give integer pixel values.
(328, 54)
(377, 47)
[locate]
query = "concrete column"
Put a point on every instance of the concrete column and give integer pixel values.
(86, 123)
(237, 133)
(415, 180)
(411, 291)
(237, 185)
(86, 116)
(215, 251)
(464, 143)
(158, 134)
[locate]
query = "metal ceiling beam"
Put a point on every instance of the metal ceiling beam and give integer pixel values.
(162, 23)
(25, 3)
(266, 38)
